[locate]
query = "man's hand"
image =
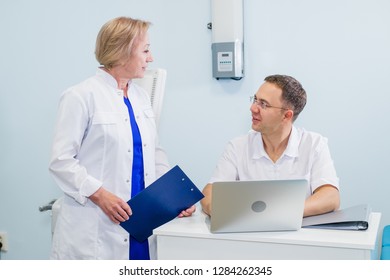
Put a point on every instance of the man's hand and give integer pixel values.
(114, 207)
(324, 199)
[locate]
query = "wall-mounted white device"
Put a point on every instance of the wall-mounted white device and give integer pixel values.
(154, 83)
(227, 39)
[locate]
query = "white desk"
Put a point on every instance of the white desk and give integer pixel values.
(190, 239)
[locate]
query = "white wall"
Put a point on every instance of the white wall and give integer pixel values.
(339, 50)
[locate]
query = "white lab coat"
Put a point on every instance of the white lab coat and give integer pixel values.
(92, 147)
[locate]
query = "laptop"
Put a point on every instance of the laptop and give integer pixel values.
(248, 206)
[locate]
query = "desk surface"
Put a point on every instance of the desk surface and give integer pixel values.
(197, 228)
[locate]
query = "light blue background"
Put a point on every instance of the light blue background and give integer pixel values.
(338, 49)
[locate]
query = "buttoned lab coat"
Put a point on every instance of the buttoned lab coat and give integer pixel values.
(93, 147)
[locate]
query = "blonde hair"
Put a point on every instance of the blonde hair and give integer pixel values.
(115, 40)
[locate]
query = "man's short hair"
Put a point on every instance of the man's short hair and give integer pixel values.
(293, 94)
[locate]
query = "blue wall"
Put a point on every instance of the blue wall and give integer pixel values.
(339, 50)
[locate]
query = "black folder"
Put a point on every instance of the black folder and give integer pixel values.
(161, 202)
(351, 218)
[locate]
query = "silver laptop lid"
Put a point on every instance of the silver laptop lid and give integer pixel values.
(244, 206)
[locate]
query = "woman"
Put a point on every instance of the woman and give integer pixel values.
(106, 150)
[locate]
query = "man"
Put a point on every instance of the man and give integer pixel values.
(276, 149)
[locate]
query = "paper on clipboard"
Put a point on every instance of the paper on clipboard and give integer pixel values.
(160, 202)
(352, 218)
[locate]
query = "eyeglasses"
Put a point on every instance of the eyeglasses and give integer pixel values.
(262, 104)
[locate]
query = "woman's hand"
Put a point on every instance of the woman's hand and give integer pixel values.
(114, 207)
(188, 212)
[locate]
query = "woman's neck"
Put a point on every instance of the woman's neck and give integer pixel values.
(122, 82)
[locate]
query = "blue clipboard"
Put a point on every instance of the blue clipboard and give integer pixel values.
(160, 203)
